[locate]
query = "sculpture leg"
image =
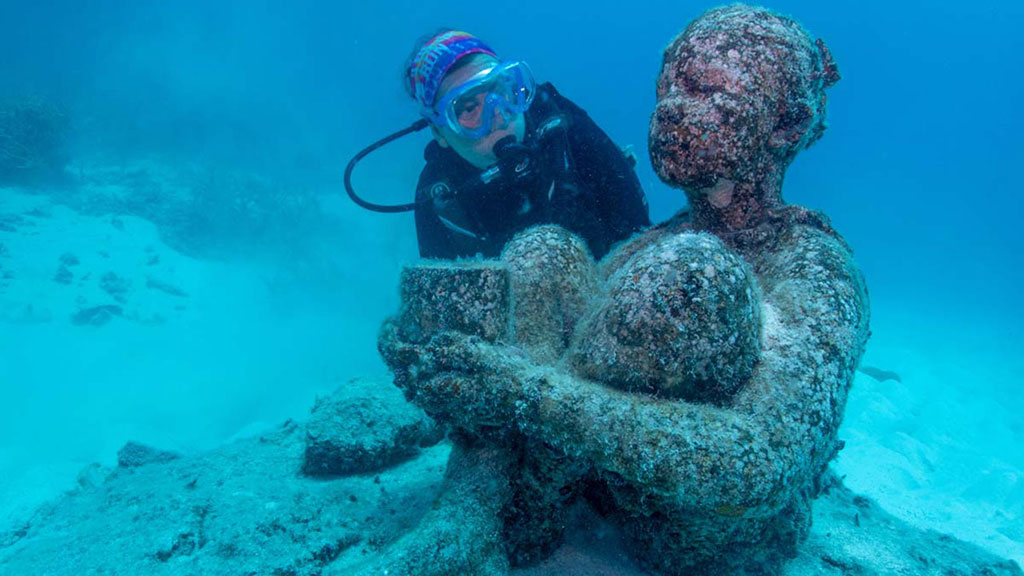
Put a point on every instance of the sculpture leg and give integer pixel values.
(544, 487)
(463, 533)
(719, 543)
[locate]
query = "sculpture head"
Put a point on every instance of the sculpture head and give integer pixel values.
(741, 92)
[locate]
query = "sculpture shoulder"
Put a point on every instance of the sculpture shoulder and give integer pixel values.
(813, 270)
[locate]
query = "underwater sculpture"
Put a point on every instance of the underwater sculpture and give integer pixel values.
(690, 386)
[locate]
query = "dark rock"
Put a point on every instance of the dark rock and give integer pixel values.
(63, 275)
(69, 259)
(10, 222)
(39, 212)
(11, 537)
(133, 455)
(364, 426)
(96, 315)
(115, 285)
(165, 287)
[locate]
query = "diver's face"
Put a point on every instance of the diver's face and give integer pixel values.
(480, 151)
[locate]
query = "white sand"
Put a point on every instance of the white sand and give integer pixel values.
(942, 448)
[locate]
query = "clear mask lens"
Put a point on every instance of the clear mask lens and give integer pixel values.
(506, 90)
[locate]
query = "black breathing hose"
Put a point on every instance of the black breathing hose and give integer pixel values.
(416, 127)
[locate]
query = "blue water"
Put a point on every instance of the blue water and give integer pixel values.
(919, 170)
(924, 123)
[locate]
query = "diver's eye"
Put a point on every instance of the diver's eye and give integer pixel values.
(467, 109)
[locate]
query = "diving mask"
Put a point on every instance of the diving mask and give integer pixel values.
(468, 109)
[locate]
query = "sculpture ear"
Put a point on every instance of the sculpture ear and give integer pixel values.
(829, 71)
(792, 126)
(802, 122)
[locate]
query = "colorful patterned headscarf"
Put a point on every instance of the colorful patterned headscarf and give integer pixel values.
(435, 58)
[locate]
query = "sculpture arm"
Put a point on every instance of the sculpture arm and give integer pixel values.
(689, 455)
(744, 458)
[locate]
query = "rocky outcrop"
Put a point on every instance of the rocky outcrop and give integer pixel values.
(365, 425)
(244, 508)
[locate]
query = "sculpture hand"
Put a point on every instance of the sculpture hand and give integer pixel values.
(464, 381)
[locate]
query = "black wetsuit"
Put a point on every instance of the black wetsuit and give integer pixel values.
(576, 177)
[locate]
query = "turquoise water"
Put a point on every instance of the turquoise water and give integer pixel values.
(918, 170)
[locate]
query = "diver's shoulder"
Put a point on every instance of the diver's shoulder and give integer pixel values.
(552, 99)
(547, 88)
(547, 92)
(440, 160)
(432, 152)
(549, 102)
(434, 169)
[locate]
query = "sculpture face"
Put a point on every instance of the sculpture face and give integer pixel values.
(741, 91)
(708, 114)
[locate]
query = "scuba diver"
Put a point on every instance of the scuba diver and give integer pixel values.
(507, 154)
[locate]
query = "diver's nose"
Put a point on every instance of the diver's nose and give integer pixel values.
(500, 119)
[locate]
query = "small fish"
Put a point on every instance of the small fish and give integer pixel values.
(879, 374)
